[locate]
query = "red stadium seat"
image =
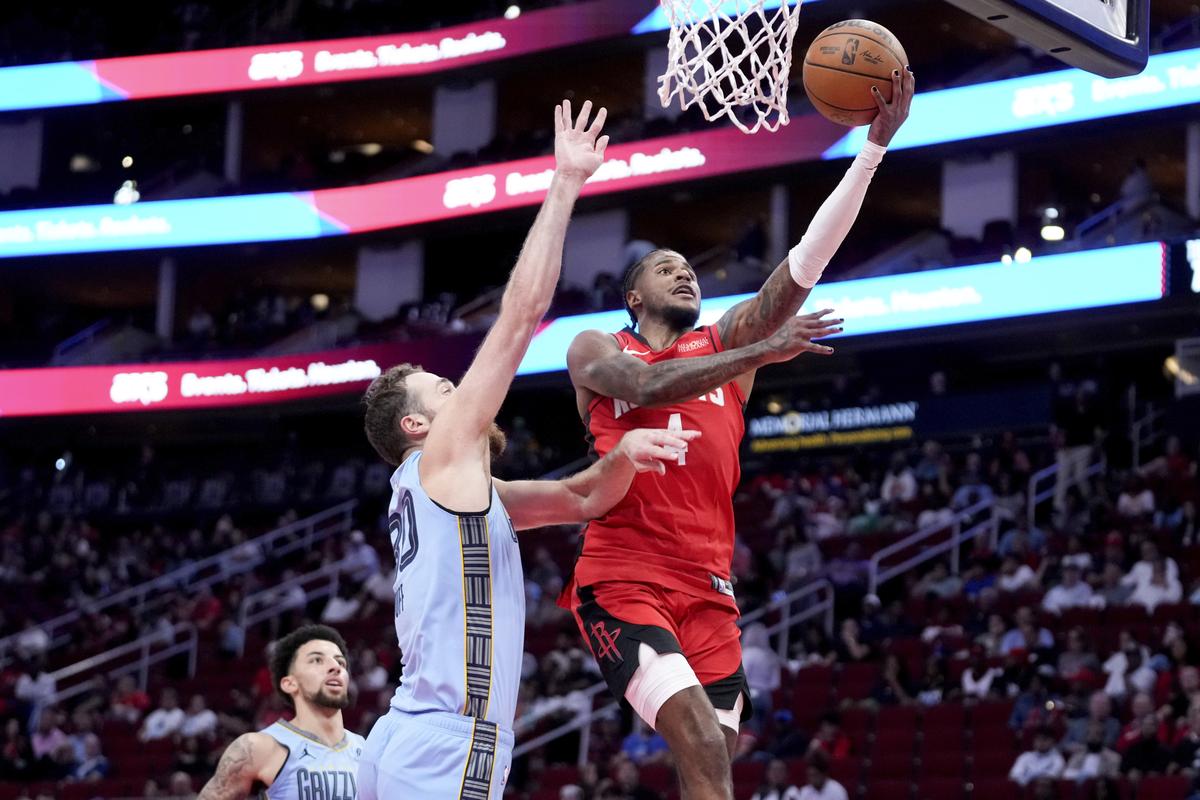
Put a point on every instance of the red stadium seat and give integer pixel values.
(856, 681)
(940, 789)
(945, 716)
(1125, 616)
(995, 789)
(944, 764)
(798, 772)
(658, 777)
(890, 766)
(558, 775)
(889, 790)
(991, 764)
(857, 723)
(1172, 612)
(813, 676)
(991, 715)
(847, 772)
(749, 771)
(1162, 787)
(897, 718)
(1080, 617)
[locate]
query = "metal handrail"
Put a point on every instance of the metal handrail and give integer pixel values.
(1035, 497)
(1145, 423)
(206, 572)
(87, 334)
(879, 575)
(147, 656)
(789, 620)
(1113, 212)
(328, 580)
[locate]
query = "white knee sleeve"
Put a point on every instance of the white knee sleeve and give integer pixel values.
(732, 717)
(658, 678)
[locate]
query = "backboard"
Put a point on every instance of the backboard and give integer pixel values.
(1107, 37)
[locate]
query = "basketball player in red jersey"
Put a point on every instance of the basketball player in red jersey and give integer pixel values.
(652, 591)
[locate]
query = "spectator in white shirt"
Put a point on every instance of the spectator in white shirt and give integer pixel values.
(899, 485)
(369, 673)
(1142, 570)
(1127, 669)
(978, 677)
(777, 786)
(1071, 593)
(165, 720)
(1158, 589)
(1043, 761)
(32, 641)
(762, 668)
(1077, 555)
(1136, 500)
(364, 560)
(820, 785)
(35, 690)
(1026, 635)
(291, 597)
(343, 606)
(1095, 760)
(200, 721)
(1016, 577)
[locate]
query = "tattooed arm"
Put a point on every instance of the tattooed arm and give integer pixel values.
(249, 758)
(789, 285)
(757, 318)
(598, 365)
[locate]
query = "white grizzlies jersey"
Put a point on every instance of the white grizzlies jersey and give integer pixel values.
(313, 770)
(460, 604)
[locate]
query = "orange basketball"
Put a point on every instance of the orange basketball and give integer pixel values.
(842, 65)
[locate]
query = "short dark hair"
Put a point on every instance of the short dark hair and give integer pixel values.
(385, 403)
(283, 651)
(633, 272)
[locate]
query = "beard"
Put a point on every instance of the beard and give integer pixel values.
(677, 317)
(497, 441)
(320, 698)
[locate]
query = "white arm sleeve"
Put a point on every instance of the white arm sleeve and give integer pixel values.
(834, 218)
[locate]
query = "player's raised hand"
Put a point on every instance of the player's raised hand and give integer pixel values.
(892, 115)
(650, 449)
(819, 323)
(578, 146)
(797, 335)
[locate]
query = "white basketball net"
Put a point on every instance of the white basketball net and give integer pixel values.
(730, 54)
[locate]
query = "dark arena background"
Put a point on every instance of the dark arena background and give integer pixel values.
(967, 556)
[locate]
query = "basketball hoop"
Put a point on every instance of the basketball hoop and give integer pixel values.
(724, 55)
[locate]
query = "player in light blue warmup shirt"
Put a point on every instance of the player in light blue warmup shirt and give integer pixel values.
(313, 755)
(459, 588)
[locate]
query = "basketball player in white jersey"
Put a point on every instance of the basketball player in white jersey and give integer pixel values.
(459, 587)
(311, 756)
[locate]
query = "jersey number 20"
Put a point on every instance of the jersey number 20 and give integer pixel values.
(402, 525)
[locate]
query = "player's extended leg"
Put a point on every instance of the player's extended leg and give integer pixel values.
(699, 744)
(642, 661)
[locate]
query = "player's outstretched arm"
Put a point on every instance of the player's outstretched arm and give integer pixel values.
(242, 764)
(790, 284)
(592, 492)
(596, 362)
(462, 424)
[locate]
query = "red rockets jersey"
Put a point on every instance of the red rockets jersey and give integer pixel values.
(674, 529)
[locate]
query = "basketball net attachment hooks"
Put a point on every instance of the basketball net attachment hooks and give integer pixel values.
(725, 55)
